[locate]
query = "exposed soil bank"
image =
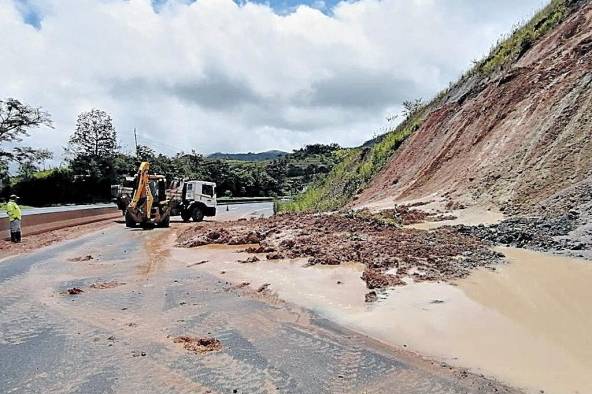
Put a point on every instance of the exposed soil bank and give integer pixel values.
(526, 323)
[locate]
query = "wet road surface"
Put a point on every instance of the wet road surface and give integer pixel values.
(244, 211)
(120, 339)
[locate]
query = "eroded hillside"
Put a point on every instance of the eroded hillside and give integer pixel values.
(517, 137)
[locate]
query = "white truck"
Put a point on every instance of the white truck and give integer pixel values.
(188, 199)
(192, 199)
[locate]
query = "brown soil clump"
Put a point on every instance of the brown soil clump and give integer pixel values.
(376, 279)
(371, 296)
(259, 249)
(74, 291)
(88, 257)
(440, 254)
(252, 259)
(454, 205)
(199, 345)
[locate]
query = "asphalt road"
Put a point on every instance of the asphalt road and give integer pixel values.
(120, 339)
(243, 211)
(225, 212)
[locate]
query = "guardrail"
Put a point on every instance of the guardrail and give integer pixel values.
(242, 200)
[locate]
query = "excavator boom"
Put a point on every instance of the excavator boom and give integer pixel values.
(140, 209)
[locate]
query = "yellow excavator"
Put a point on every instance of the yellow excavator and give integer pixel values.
(149, 206)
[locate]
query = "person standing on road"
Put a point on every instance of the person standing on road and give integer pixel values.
(14, 216)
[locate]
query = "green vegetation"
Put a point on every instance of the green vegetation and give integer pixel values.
(356, 168)
(511, 48)
(95, 163)
(261, 156)
(87, 177)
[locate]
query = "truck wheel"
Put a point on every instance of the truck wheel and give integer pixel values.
(197, 214)
(185, 215)
(129, 220)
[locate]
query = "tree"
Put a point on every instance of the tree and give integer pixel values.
(145, 153)
(94, 147)
(410, 107)
(16, 119)
(30, 159)
(95, 136)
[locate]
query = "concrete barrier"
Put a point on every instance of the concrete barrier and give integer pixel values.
(36, 223)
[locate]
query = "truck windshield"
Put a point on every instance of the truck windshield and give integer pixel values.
(208, 190)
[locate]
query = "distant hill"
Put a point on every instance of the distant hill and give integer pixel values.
(268, 155)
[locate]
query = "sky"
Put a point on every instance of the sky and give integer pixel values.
(239, 76)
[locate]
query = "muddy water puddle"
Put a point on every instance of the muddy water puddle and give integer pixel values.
(472, 216)
(528, 323)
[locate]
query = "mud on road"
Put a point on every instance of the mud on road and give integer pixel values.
(34, 242)
(121, 338)
(391, 255)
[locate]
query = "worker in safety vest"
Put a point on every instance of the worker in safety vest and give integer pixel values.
(14, 216)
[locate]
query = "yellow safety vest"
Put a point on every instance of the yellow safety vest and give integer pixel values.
(13, 211)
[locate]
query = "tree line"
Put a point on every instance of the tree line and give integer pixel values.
(94, 162)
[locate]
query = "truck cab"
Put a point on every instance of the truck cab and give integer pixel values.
(194, 199)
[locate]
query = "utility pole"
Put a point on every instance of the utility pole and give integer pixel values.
(136, 139)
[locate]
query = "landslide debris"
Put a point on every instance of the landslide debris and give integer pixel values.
(389, 253)
(538, 233)
(199, 345)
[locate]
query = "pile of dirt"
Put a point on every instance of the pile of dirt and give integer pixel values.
(514, 137)
(389, 252)
(199, 345)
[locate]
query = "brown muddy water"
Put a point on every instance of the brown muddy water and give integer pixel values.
(528, 323)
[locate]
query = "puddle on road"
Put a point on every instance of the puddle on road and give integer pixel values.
(315, 288)
(528, 323)
(472, 216)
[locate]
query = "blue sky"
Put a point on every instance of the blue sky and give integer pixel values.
(33, 16)
(280, 6)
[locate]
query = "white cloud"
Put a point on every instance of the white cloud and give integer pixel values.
(213, 75)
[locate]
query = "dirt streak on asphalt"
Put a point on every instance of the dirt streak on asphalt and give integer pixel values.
(121, 338)
(37, 241)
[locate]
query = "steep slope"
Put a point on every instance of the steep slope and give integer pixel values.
(514, 134)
